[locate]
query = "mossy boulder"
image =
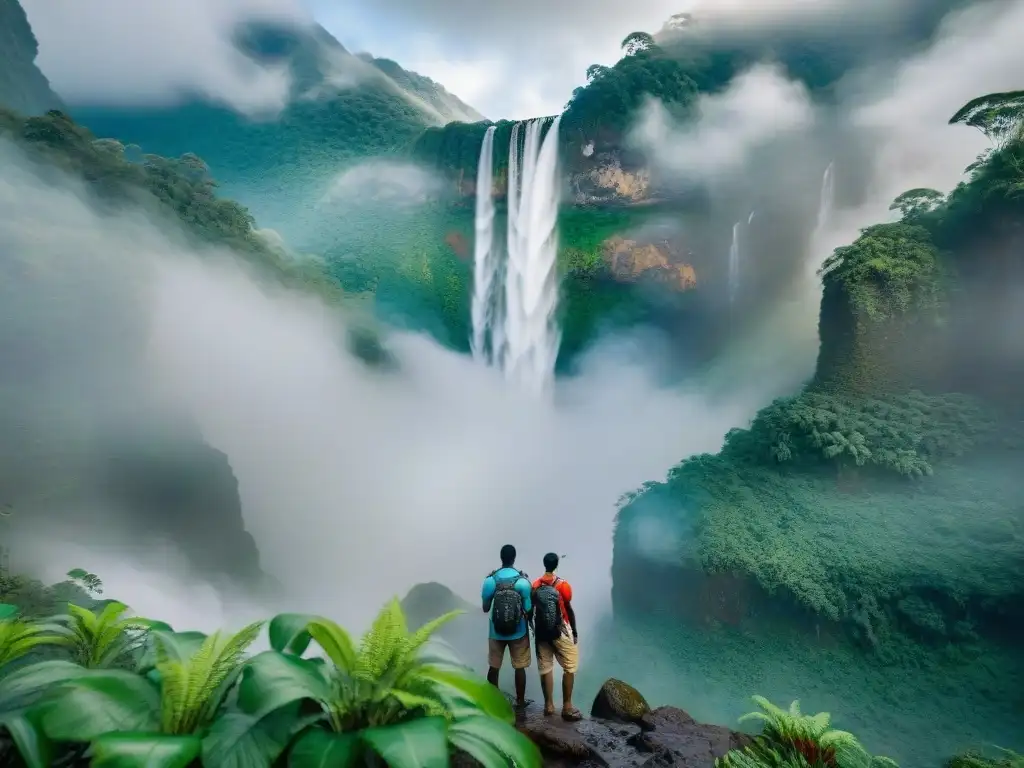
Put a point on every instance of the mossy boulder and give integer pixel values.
(620, 702)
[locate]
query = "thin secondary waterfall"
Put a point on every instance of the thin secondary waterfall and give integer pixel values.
(826, 200)
(734, 263)
(485, 257)
(522, 329)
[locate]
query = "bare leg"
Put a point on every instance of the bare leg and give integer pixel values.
(520, 675)
(568, 678)
(547, 685)
(492, 676)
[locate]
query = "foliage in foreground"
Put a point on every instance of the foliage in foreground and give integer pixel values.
(179, 699)
(791, 739)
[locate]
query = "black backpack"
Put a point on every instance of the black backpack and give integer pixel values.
(547, 612)
(507, 608)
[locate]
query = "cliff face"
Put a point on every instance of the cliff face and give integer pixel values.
(185, 491)
(23, 88)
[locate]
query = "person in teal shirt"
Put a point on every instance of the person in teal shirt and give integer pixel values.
(505, 594)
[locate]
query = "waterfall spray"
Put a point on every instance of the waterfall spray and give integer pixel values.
(485, 257)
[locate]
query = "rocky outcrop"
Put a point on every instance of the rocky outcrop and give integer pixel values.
(608, 181)
(633, 260)
(619, 701)
(664, 737)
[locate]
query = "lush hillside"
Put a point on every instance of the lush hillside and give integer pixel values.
(449, 107)
(22, 86)
(343, 108)
(180, 188)
(879, 507)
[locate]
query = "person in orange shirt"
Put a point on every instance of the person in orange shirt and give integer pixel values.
(555, 636)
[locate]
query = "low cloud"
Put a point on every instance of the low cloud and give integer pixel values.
(117, 52)
(521, 60)
(383, 181)
(978, 51)
(760, 105)
(419, 475)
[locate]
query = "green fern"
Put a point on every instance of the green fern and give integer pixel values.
(383, 693)
(103, 639)
(193, 688)
(380, 681)
(791, 733)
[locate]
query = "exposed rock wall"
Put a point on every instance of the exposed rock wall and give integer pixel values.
(23, 87)
(632, 260)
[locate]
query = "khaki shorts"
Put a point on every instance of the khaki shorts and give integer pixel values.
(563, 649)
(518, 651)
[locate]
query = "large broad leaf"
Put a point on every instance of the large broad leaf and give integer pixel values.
(144, 750)
(288, 632)
(493, 742)
(421, 743)
(271, 680)
(22, 687)
(7, 611)
(465, 694)
(174, 646)
(32, 744)
(317, 748)
(100, 702)
(336, 643)
(239, 740)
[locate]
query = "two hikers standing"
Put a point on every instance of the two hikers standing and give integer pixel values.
(515, 605)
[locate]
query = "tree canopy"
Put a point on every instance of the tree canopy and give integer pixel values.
(1000, 116)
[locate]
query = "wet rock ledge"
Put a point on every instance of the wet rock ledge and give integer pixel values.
(624, 732)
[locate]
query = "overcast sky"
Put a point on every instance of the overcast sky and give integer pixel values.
(514, 60)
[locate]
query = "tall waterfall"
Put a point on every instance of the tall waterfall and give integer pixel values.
(524, 335)
(485, 256)
(826, 200)
(734, 263)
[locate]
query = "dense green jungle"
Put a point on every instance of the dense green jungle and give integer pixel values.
(245, 339)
